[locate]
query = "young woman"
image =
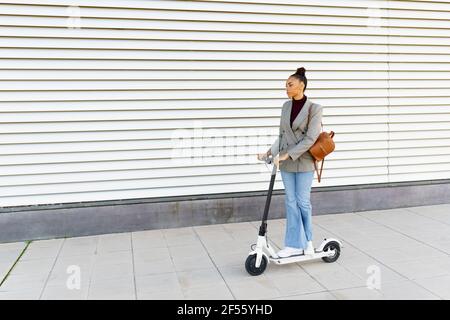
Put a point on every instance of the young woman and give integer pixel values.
(300, 126)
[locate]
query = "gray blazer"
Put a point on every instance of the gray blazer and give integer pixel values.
(297, 140)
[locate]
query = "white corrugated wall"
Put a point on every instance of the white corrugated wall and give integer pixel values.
(95, 94)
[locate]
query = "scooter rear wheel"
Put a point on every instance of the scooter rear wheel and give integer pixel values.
(332, 245)
(250, 265)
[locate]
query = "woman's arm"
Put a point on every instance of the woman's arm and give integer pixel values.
(313, 132)
(275, 148)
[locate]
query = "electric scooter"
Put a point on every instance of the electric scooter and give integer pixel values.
(262, 253)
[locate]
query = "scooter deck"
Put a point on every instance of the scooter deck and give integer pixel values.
(302, 257)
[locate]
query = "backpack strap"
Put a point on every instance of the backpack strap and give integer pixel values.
(315, 162)
(319, 175)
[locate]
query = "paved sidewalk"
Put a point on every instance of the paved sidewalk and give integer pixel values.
(410, 247)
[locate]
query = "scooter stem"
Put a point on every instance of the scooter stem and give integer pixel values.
(263, 227)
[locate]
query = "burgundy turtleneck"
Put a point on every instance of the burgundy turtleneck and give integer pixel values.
(297, 105)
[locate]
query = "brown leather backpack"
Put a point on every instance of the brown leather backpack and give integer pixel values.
(323, 146)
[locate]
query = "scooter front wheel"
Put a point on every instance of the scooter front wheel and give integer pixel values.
(250, 265)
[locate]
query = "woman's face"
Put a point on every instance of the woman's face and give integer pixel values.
(294, 87)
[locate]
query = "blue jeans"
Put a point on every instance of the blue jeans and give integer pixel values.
(297, 187)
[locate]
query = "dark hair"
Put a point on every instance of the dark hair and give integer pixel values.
(300, 75)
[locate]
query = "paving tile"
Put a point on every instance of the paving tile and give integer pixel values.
(81, 241)
(409, 223)
(42, 250)
(188, 251)
(64, 262)
(355, 258)
(62, 292)
(439, 286)
(232, 259)
(33, 267)
(339, 280)
(61, 274)
(180, 236)
(12, 246)
(254, 289)
(31, 294)
(113, 295)
(406, 290)
(78, 246)
(121, 288)
(114, 242)
(174, 294)
(154, 254)
(436, 212)
(145, 240)
(192, 263)
(142, 267)
(349, 251)
(209, 228)
(24, 282)
(157, 283)
(212, 233)
(386, 274)
(296, 284)
(443, 246)
(422, 268)
(245, 231)
(4, 269)
(430, 236)
(213, 292)
(114, 256)
(199, 278)
(217, 238)
(324, 295)
(9, 253)
(216, 248)
(318, 266)
(249, 237)
(111, 271)
(406, 253)
(50, 243)
(9, 257)
(235, 274)
(345, 221)
(360, 293)
(333, 276)
(374, 238)
(291, 269)
(242, 226)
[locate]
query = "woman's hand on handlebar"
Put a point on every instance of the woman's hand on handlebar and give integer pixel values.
(262, 156)
(280, 158)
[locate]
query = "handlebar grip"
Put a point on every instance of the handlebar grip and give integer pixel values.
(268, 160)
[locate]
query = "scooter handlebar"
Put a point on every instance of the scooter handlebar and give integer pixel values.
(268, 159)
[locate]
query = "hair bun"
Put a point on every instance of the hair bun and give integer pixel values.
(301, 71)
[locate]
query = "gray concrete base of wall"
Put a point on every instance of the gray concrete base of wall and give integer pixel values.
(92, 218)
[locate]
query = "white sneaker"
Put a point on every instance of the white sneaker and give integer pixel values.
(309, 248)
(289, 251)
